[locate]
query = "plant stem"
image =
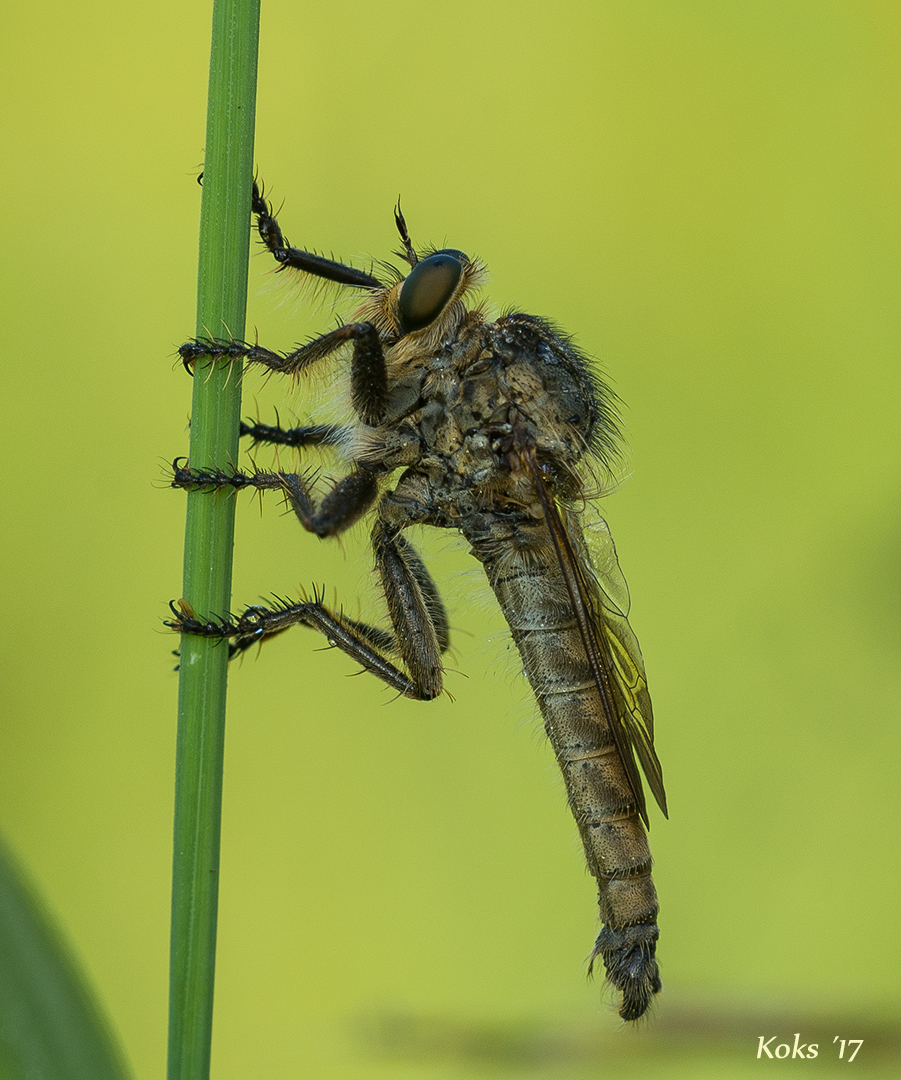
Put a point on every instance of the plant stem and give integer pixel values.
(209, 534)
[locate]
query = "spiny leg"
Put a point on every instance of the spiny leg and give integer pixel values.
(340, 508)
(298, 259)
(299, 437)
(367, 384)
(416, 611)
(347, 501)
(363, 643)
(368, 378)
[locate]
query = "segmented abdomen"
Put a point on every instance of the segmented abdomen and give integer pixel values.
(532, 594)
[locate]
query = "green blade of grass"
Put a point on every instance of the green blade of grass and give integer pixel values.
(209, 533)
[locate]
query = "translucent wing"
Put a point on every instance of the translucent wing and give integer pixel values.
(625, 654)
(600, 603)
(602, 558)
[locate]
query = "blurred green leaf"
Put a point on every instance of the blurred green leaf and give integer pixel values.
(51, 1027)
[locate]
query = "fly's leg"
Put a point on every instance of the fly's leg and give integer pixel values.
(368, 378)
(298, 437)
(347, 501)
(361, 642)
(340, 508)
(416, 611)
(297, 259)
(414, 607)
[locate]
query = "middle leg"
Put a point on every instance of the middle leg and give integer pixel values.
(298, 437)
(343, 506)
(368, 376)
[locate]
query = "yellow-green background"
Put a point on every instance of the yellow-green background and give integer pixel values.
(706, 194)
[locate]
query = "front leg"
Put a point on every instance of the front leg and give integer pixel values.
(306, 262)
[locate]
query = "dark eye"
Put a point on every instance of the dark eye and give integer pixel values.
(429, 286)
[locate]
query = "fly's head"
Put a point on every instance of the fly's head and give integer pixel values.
(424, 309)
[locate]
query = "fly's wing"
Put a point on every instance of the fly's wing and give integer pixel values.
(607, 589)
(602, 573)
(601, 556)
(598, 598)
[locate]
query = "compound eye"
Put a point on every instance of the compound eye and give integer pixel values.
(428, 288)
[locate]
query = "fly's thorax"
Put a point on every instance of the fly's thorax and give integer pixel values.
(493, 392)
(474, 394)
(552, 385)
(421, 377)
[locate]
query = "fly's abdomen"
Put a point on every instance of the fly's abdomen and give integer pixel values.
(533, 597)
(616, 844)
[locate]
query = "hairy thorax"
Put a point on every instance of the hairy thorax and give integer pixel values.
(458, 420)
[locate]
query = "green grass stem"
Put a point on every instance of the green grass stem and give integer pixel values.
(209, 534)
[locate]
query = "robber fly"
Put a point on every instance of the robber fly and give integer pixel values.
(494, 429)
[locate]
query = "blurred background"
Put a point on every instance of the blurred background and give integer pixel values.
(706, 196)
